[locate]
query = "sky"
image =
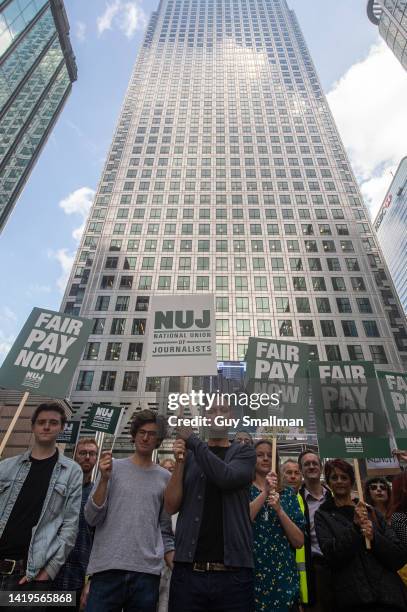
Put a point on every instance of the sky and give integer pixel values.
(366, 89)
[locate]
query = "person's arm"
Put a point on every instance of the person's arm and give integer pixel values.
(174, 490)
(96, 506)
(387, 547)
(168, 537)
(337, 550)
(68, 531)
(294, 534)
(237, 473)
(257, 504)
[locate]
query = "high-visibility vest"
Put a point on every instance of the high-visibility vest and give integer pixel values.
(300, 559)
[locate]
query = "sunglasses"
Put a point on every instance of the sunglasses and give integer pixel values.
(377, 487)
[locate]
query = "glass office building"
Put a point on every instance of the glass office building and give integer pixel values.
(391, 227)
(391, 17)
(226, 175)
(37, 68)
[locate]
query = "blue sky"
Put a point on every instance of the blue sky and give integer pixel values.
(41, 236)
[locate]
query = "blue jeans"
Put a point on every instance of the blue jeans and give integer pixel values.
(211, 591)
(117, 590)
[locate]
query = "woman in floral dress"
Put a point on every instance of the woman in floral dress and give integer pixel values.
(278, 526)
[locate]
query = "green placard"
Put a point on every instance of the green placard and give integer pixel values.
(104, 418)
(43, 358)
(70, 433)
(280, 366)
(349, 416)
(394, 388)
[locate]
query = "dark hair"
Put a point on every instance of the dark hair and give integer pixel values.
(368, 497)
(339, 464)
(148, 416)
(308, 451)
(398, 501)
(48, 407)
(87, 441)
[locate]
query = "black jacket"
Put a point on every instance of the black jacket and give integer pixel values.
(307, 543)
(360, 576)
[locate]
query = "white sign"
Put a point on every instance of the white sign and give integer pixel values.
(382, 463)
(181, 336)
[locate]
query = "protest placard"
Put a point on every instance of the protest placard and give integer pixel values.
(70, 433)
(394, 389)
(104, 418)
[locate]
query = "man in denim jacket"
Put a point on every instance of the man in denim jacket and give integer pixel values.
(40, 498)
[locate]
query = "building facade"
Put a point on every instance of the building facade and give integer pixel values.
(391, 227)
(226, 175)
(37, 68)
(391, 17)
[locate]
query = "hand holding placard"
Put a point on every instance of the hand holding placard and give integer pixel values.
(179, 449)
(106, 465)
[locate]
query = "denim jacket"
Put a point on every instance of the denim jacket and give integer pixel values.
(54, 535)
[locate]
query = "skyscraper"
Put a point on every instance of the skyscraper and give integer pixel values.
(37, 68)
(391, 17)
(226, 174)
(391, 227)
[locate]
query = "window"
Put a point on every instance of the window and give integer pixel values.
(352, 264)
(358, 283)
(164, 283)
(126, 282)
(222, 283)
(91, 350)
(202, 283)
(222, 327)
(299, 283)
(122, 303)
(355, 352)
(378, 354)
(135, 351)
(338, 283)
(264, 327)
(323, 304)
(129, 263)
(118, 327)
(130, 381)
(364, 305)
(183, 282)
(349, 329)
(113, 351)
(280, 283)
(107, 380)
(343, 305)
(98, 326)
(222, 352)
(102, 302)
(85, 380)
(303, 304)
(222, 304)
(242, 304)
(318, 283)
(314, 264)
(142, 303)
(285, 328)
(328, 246)
(306, 328)
(138, 327)
(371, 329)
(282, 304)
(260, 283)
(262, 304)
(333, 352)
(243, 327)
(144, 282)
(328, 329)
(111, 263)
(333, 264)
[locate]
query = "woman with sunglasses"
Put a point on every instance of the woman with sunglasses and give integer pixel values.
(278, 526)
(377, 494)
(362, 579)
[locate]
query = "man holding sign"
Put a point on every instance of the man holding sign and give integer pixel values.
(40, 499)
(132, 532)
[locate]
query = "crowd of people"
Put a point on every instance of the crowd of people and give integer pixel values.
(233, 534)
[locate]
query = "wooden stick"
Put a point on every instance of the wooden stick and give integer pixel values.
(116, 433)
(274, 453)
(99, 438)
(13, 422)
(360, 492)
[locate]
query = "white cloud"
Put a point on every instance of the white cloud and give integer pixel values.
(78, 203)
(80, 31)
(369, 106)
(65, 259)
(126, 16)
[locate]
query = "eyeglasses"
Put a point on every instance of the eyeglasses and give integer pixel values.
(377, 486)
(149, 434)
(83, 453)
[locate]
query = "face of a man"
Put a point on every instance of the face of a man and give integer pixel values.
(217, 414)
(243, 438)
(145, 439)
(292, 475)
(47, 427)
(310, 467)
(86, 455)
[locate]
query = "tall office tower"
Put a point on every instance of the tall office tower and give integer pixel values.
(37, 68)
(391, 227)
(391, 17)
(226, 174)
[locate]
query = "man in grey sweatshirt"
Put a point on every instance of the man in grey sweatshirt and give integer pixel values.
(133, 532)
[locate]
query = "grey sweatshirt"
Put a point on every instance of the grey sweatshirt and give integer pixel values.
(132, 529)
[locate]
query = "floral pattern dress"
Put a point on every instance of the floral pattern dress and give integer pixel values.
(276, 581)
